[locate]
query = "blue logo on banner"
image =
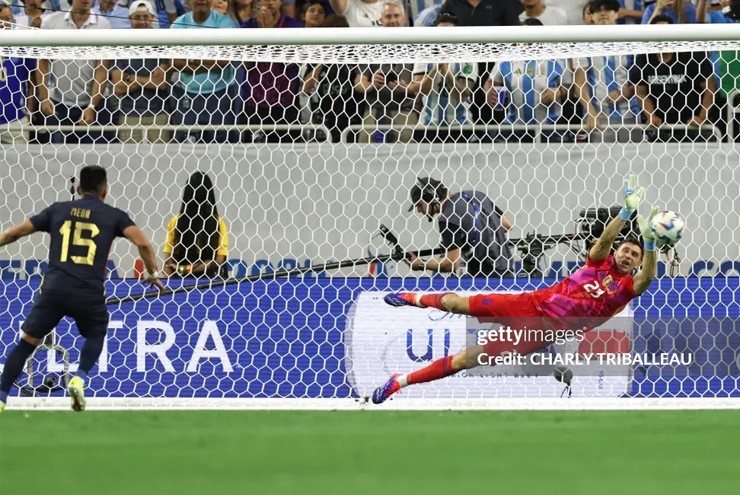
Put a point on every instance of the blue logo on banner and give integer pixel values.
(429, 352)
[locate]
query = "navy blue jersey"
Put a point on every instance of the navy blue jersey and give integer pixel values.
(82, 232)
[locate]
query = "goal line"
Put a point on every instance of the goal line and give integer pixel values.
(600, 404)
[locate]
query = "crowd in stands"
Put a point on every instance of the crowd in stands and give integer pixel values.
(602, 98)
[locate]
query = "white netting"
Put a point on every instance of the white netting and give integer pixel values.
(311, 148)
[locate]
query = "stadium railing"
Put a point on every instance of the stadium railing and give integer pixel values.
(535, 129)
(182, 128)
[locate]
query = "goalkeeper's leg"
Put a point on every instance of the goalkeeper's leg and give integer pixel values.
(447, 301)
(491, 305)
(446, 366)
(469, 358)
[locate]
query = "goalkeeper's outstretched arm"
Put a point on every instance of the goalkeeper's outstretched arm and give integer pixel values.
(603, 245)
(649, 259)
(647, 273)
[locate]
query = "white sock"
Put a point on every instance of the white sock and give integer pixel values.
(417, 299)
(401, 379)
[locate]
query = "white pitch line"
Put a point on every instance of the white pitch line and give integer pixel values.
(163, 404)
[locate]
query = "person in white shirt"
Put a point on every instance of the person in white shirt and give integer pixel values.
(547, 15)
(116, 14)
(359, 13)
(79, 85)
(573, 9)
(33, 14)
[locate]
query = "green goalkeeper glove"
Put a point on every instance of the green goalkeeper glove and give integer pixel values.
(648, 236)
(632, 197)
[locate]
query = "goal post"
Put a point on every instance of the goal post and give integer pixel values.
(312, 161)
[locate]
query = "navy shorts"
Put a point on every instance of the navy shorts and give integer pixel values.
(89, 312)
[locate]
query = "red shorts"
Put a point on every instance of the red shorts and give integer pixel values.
(514, 311)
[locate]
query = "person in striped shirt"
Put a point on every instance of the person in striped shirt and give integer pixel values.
(602, 86)
(530, 91)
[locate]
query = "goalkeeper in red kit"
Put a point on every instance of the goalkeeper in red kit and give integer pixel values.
(580, 302)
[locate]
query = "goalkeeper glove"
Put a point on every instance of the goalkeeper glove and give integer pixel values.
(648, 236)
(632, 197)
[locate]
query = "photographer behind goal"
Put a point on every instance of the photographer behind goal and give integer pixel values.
(472, 227)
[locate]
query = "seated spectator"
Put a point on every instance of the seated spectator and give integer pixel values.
(530, 91)
(674, 88)
(726, 64)
(241, 10)
(47, 6)
(197, 238)
(288, 8)
(32, 14)
(679, 11)
(14, 88)
(586, 14)
(359, 13)
(706, 13)
(385, 88)
(332, 100)
(7, 17)
(272, 87)
(315, 12)
(571, 111)
(573, 9)
(220, 6)
(76, 96)
(631, 11)
(603, 88)
(447, 89)
(269, 15)
(546, 14)
(167, 10)
(720, 13)
(428, 16)
(116, 14)
(140, 88)
(484, 12)
(205, 90)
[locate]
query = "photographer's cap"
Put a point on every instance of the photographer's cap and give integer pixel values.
(426, 189)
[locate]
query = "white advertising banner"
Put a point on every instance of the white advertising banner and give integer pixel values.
(381, 340)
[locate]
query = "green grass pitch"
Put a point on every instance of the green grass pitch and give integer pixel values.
(363, 452)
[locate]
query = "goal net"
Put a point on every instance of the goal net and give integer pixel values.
(313, 141)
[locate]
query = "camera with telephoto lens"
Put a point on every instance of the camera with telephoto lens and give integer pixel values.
(592, 221)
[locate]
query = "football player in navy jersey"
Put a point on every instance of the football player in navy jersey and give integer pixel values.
(82, 232)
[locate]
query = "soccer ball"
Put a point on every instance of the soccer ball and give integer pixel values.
(668, 227)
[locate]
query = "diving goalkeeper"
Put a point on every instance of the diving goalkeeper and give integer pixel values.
(579, 303)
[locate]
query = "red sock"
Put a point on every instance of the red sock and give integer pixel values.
(433, 300)
(438, 369)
